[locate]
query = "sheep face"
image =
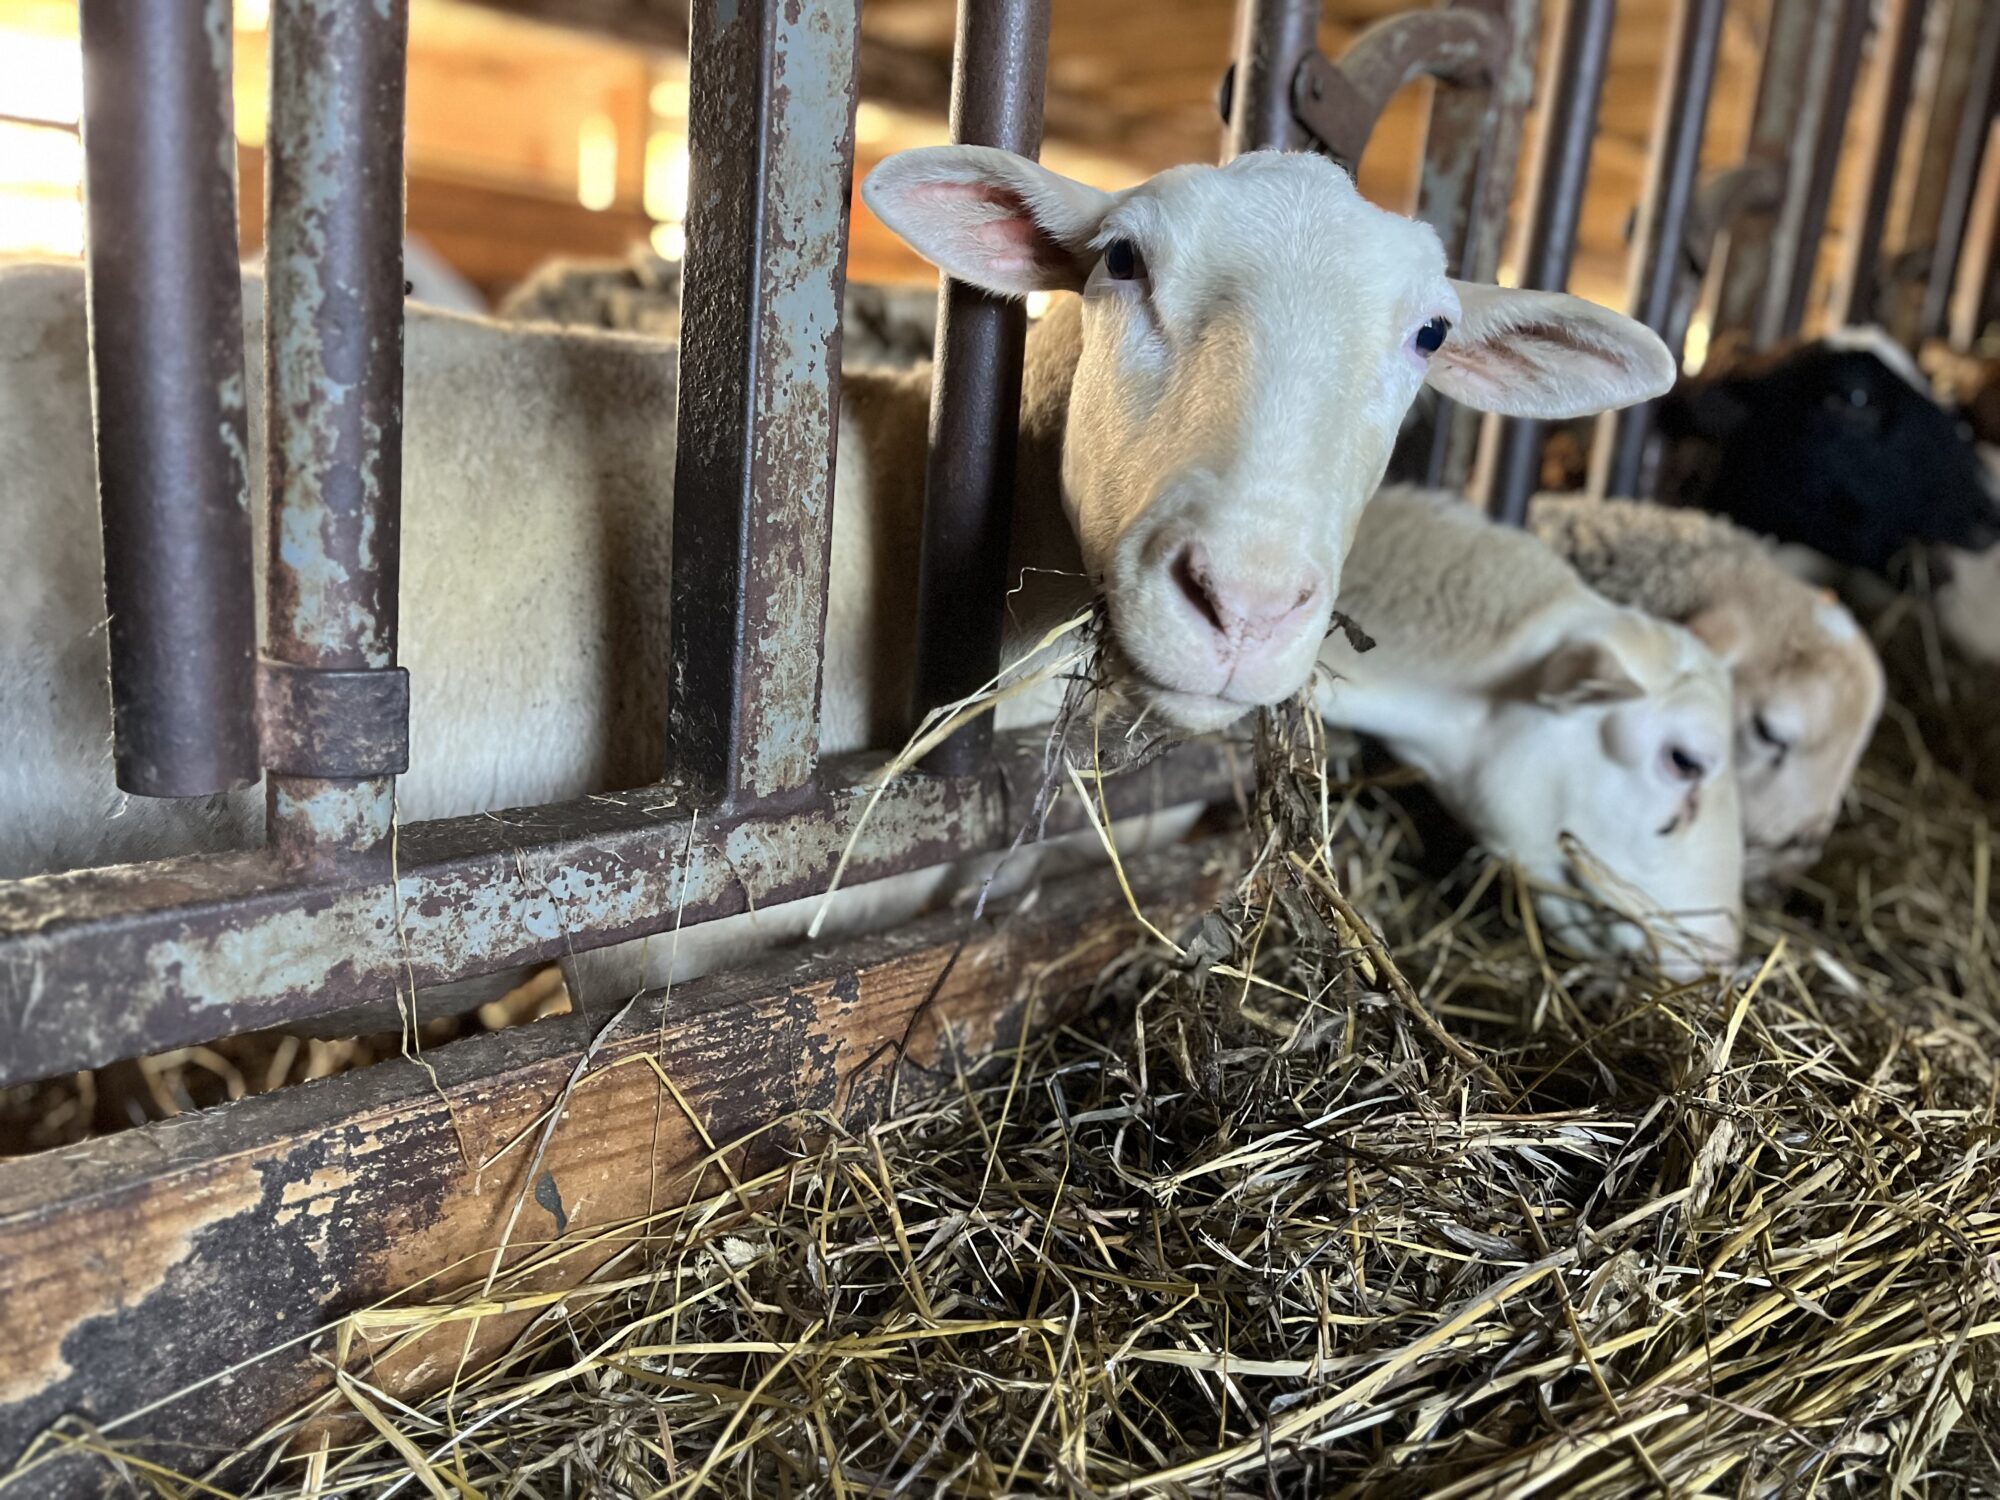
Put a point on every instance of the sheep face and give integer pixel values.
(1804, 712)
(1605, 774)
(1252, 336)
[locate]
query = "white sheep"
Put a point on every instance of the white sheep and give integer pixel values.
(1808, 685)
(887, 326)
(1202, 428)
(1584, 740)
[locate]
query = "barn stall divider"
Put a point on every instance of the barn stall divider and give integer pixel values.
(241, 1227)
(167, 1280)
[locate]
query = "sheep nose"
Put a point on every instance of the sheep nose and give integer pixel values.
(1245, 604)
(1684, 763)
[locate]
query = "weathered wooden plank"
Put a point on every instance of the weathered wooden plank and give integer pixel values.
(135, 1266)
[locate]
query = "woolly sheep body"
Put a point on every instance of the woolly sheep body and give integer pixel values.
(1808, 686)
(1551, 723)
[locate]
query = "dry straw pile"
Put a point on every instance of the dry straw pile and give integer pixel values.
(1297, 1207)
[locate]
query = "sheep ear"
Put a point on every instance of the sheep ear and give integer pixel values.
(989, 217)
(1724, 629)
(1546, 355)
(1580, 673)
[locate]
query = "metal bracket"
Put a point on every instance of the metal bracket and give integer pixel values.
(333, 724)
(1338, 103)
(1756, 187)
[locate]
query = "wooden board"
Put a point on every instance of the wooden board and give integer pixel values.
(135, 1266)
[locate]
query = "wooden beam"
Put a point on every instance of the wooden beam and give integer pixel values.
(134, 1266)
(910, 78)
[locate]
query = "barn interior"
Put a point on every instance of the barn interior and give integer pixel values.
(544, 131)
(1294, 1156)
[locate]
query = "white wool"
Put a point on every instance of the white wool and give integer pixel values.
(1242, 395)
(1868, 338)
(1547, 717)
(1808, 686)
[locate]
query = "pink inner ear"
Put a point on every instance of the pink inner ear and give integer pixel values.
(1011, 244)
(957, 194)
(994, 224)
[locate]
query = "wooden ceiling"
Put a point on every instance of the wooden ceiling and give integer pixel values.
(1132, 87)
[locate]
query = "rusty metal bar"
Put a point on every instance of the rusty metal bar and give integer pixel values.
(1555, 198)
(1982, 102)
(1810, 61)
(771, 142)
(209, 946)
(334, 371)
(1897, 46)
(166, 351)
(998, 66)
(1272, 38)
(1339, 102)
(1656, 295)
(1472, 148)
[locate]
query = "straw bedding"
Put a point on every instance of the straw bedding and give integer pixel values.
(1291, 1208)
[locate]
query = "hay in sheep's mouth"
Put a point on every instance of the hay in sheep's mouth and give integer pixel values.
(1314, 1206)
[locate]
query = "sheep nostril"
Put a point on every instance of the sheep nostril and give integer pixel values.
(1189, 571)
(1685, 765)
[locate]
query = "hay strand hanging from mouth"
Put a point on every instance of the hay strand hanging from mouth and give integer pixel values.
(1249, 1225)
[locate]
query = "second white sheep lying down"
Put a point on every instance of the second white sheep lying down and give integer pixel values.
(1808, 685)
(1586, 741)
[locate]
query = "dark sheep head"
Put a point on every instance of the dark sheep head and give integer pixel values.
(1831, 447)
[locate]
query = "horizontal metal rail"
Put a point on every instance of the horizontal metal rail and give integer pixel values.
(204, 947)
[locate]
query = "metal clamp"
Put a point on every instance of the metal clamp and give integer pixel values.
(333, 724)
(1338, 103)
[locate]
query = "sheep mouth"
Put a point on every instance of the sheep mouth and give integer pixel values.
(1189, 712)
(1684, 815)
(1196, 713)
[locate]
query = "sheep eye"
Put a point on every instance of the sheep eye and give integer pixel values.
(1761, 727)
(1122, 261)
(1430, 337)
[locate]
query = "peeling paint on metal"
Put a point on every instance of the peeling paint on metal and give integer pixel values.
(206, 947)
(760, 393)
(334, 363)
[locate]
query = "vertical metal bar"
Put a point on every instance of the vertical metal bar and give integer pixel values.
(998, 65)
(334, 371)
(166, 351)
(1982, 99)
(1802, 219)
(1272, 38)
(1562, 165)
(771, 141)
(1659, 262)
(1976, 299)
(1902, 36)
(1472, 146)
(1799, 111)
(1945, 82)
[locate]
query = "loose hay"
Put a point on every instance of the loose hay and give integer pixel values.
(1253, 1224)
